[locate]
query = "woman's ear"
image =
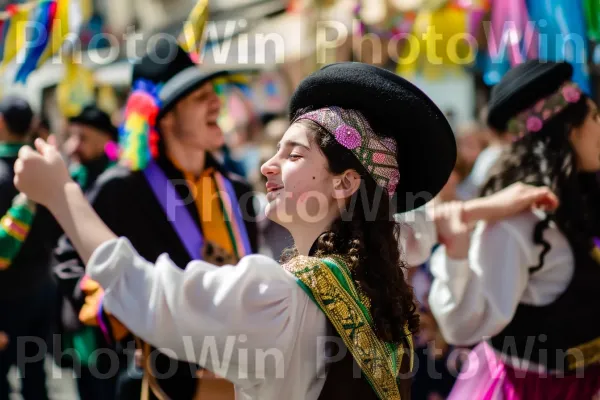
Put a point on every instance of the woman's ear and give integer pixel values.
(346, 184)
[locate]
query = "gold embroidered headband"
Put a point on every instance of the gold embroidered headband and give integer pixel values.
(351, 129)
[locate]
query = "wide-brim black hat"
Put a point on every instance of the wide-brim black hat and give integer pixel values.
(394, 108)
(96, 118)
(522, 86)
(168, 65)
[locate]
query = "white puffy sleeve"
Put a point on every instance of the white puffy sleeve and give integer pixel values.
(477, 297)
(418, 235)
(203, 311)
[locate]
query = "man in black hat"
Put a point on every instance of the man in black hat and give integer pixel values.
(90, 134)
(27, 235)
(164, 201)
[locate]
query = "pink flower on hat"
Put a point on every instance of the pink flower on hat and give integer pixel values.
(571, 94)
(348, 137)
(534, 124)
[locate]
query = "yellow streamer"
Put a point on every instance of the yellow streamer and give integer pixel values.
(15, 37)
(107, 99)
(87, 9)
(439, 43)
(193, 29)
(77, 88)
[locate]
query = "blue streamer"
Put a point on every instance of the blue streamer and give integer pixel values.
(42, 18)
(5, 28)
(562, 30)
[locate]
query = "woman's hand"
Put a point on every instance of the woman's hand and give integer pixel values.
(509, 201)
(452, 230)
(41, 175)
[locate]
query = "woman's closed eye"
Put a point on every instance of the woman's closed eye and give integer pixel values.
(294, 156)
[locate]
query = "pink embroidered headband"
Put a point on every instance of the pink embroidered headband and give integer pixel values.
(352, 130)
(533, 119)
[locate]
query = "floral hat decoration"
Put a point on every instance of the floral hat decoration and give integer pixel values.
(533, 119)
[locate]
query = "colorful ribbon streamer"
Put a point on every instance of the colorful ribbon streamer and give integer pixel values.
(43, 19)
(564, 34)
(193, 29)
(591, 9)
(60, 29)
(12, 38)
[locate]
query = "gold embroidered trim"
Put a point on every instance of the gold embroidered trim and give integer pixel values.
(584, 354)
(378, 361)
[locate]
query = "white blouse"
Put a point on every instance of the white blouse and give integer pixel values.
(251, 323)
(476, 298)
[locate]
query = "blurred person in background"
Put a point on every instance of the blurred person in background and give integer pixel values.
(43, 128)
(525, 287)
(497, 139)
(185, 220)
(470, 141)
(28, 233)
(90, 135)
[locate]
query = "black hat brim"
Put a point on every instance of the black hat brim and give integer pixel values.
(395, 108)
(182, 84)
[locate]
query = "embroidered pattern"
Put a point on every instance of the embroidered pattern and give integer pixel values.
(584, 355)
(14, 229)
(329, 284)
(533, 119)
(352, 130)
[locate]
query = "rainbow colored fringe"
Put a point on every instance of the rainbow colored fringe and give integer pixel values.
(14, 228)
(138, 138)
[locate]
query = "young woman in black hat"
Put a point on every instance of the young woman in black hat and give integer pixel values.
(529, 283)
(340, 172)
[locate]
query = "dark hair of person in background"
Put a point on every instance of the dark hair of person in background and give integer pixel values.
(370, 243)
(547, 158)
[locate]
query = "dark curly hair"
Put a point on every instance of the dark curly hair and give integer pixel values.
(547, 158)
(367, 235)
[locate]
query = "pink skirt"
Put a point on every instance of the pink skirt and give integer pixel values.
(487, 377)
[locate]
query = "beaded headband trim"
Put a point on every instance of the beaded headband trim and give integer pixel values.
(351, 129)
(533, 119)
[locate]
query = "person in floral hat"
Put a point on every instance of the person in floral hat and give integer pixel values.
(522, 288)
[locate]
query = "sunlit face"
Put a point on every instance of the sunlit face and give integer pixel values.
(299, 185)
(586, 141)
(85, 143)
(194, 119)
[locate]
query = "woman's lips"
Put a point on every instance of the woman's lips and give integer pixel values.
(272, 193)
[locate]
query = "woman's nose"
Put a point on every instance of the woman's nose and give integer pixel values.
(270, 167)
